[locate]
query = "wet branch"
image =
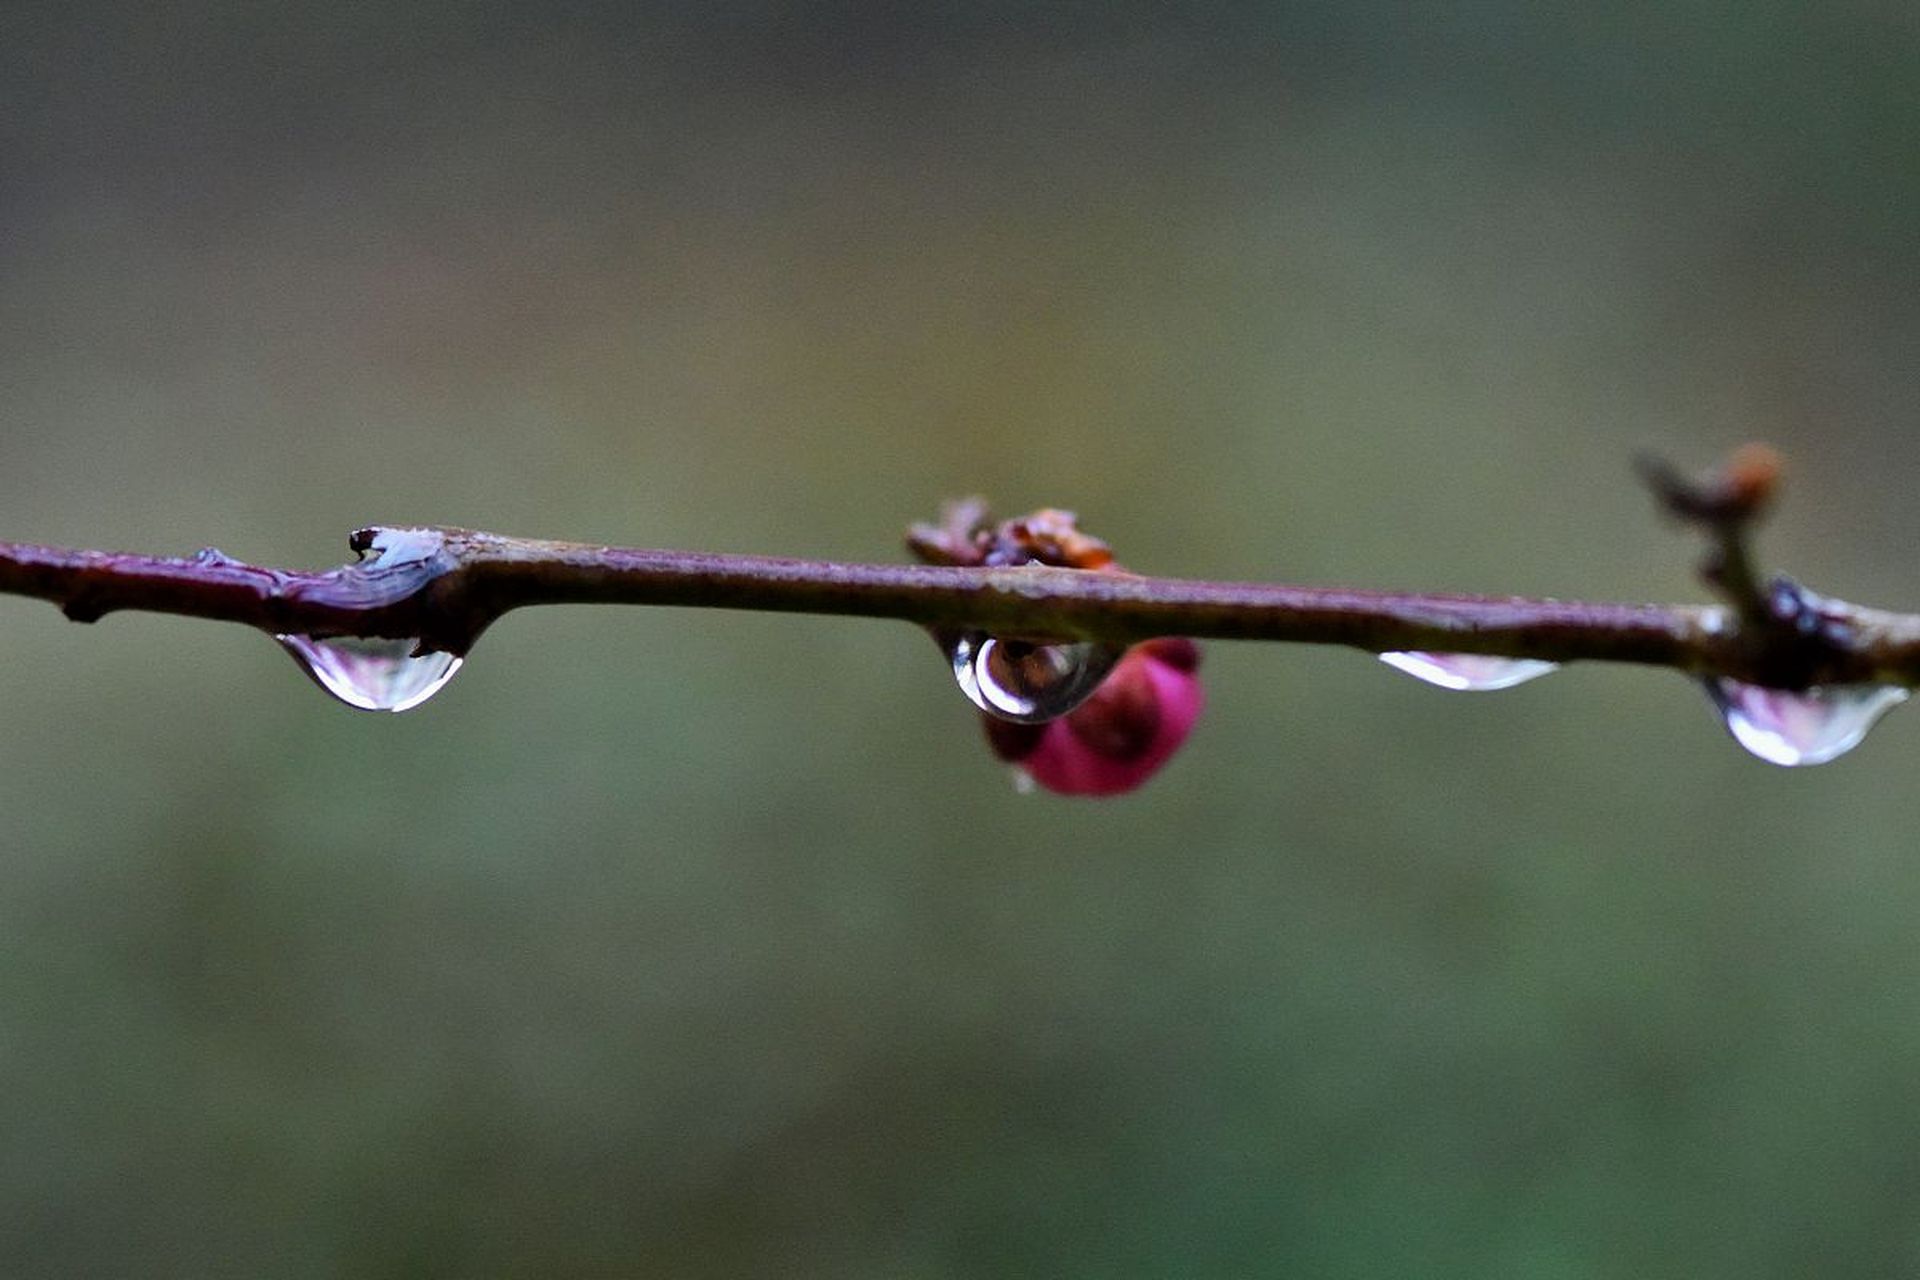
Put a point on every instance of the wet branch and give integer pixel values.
(444, 587)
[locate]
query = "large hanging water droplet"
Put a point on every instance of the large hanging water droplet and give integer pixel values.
(372, 674)
(1811, 726)
(1468, 672)
(1029, 683)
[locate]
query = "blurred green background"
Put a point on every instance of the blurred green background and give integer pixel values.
(697, 944)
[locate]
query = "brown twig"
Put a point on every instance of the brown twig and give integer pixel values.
(444, 587)
(1726, 505)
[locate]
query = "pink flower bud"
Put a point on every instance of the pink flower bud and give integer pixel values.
(1119, 737)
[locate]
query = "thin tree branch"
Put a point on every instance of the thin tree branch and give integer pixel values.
(445, 586)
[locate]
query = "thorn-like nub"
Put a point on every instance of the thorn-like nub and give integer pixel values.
(1737, 492)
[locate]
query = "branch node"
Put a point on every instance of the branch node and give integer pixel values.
(966, 537)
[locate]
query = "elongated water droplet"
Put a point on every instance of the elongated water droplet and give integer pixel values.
(1029, 683)
(1811, 726)
(1468, 672)
(372, 674)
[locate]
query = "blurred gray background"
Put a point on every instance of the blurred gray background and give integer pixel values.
(700, 944)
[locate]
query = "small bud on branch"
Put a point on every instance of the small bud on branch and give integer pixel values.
(1112, 718)
(1725, 504)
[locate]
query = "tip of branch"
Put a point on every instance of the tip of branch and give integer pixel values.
(1738, 492)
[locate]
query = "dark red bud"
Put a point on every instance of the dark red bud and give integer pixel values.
(1122, 735)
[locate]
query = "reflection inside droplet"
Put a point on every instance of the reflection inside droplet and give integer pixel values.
(1025, 682)
(372, 674)
(1811, 726)
(389, 548)
(1468, 672)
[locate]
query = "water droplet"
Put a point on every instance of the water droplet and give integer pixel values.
(1029, 683)
(1023, 783)
(1811, 726)
(389, 548)
(1468, 672)
(372, 674)
(393, 564)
